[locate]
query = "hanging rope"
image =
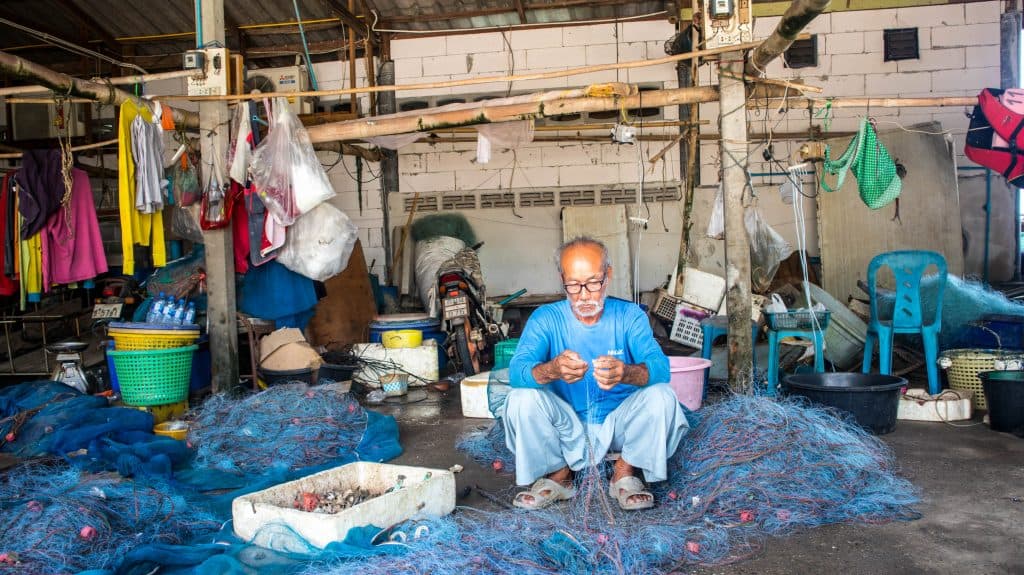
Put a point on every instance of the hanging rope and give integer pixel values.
(67, 159)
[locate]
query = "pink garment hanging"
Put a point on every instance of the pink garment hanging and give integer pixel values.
(73, 254)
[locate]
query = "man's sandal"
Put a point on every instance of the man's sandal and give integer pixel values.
(544, 492)
(627, 487)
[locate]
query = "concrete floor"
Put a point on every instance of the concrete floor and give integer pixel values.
(971, 479)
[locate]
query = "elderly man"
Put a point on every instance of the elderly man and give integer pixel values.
(589, 378)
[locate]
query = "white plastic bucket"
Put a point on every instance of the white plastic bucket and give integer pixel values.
(474, 396)
(687, 379)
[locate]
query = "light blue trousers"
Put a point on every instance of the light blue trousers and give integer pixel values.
(545, 434)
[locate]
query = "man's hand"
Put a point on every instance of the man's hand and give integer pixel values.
(567, 366)
(608, 371)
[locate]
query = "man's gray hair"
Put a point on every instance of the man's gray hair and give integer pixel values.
(580, 242)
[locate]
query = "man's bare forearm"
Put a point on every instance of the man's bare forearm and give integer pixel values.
(635, 374)
(545, 373)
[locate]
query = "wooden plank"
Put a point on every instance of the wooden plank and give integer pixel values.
(850, 233)
(343, 317)
(609, 225)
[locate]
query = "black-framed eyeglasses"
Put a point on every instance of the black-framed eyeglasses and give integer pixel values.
(592, 286)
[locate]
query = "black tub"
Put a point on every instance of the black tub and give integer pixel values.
(871, 398)
(277, 377)
(1004, 395)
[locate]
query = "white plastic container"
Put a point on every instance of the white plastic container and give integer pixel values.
(420, 362)
(703, 289)
(474, 396)
(950, 405)
(426, 493)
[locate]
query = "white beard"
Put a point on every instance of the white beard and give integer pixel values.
(589, 308)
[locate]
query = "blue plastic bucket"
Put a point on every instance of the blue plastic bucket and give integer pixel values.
(431, 328)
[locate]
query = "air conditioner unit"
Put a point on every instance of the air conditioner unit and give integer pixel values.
(38, 121)
(291, 79)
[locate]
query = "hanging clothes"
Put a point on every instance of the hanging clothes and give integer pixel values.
(273, 291)
(136, 228)
(31, 268)
(40, 188)
(148, 153)
(72, 247)
(7, 285)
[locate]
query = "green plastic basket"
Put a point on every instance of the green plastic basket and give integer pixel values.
(504, 351)
(154, 376)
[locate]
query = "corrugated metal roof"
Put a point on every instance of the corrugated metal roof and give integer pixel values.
(152, 33)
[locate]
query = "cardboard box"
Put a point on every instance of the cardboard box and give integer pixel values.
(286, 349)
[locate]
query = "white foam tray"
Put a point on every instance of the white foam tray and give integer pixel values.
(950, 405)
(421, 497)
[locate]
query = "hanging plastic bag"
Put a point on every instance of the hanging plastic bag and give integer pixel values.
(286, 172)
(716, 226)
(186, 181)
(184, 224)
(767, 250)
(320, 243)
(218, 200)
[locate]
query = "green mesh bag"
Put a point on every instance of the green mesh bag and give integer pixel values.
(871, 164)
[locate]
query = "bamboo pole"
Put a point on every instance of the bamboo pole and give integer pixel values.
(352, 61)
(794, 19)
(936, 102)
(479, 80)
(545, 105)
(103, 144)
(117, 81)
(99, 91)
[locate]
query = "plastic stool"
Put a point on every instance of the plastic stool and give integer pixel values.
(774, 337)
(712, 328)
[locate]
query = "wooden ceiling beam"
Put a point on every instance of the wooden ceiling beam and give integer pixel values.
(91, 25)
(350, 19)
(521, 11)
(405, 19)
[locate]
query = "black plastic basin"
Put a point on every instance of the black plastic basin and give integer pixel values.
(1004, 395)
(871, 398)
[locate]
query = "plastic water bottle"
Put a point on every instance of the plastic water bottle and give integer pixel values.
(168, 315)
(157, 309)
(179, 312)
(190, 314)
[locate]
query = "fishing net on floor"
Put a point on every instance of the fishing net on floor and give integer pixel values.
(748, 469)
(60, 520)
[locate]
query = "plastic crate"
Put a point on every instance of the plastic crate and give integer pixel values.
(154, 376)
(798, 320)
(665, 306)
(504, 351)
(687, 331)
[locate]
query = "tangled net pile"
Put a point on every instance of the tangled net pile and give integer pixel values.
(292, 425)
(59, 520)
(749, 468)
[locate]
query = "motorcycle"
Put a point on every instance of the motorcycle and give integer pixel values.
(118, 298)
(472, 331)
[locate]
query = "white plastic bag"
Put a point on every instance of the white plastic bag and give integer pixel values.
(716, 226)
(430, 256)
(285, 170)
(776, 305)
(319, 243)
(767, 250)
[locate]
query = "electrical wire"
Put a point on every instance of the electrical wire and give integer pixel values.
(69, 46)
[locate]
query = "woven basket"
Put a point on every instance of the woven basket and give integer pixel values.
(139, 338)
(154, 376)
(966, 364)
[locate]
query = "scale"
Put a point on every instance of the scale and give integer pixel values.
(69, 364)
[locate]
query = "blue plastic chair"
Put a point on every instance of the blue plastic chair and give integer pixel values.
(907, 316)
(711, 329)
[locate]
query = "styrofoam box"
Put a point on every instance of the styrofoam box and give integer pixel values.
(703, 289)
(476, 397)
(950, 405)
(420, 361)
(426, 493)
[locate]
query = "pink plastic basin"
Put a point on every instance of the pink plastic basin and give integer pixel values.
(687, 379)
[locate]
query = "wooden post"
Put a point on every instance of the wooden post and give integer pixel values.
(733, 130)
(220, 263)
(353, 104)
(1009, 77)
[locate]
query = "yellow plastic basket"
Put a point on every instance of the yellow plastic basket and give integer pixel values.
(130, 339)
(966, 364)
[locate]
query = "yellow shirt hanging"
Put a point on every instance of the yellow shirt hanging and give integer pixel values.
(136, 227)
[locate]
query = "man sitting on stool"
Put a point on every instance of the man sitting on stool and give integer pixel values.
(587, 373)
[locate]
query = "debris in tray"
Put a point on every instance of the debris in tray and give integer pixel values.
(338, 501)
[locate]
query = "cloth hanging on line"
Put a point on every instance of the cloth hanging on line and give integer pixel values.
(994, 138)
(8, 286)
(394, 141)
(502, 135)
(136, 228)
(75, 253)
(40, 188)
(871, 164)
(240, 150)
(148, 154)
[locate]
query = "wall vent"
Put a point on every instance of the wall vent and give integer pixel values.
(900, 44)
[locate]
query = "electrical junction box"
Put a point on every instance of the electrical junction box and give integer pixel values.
(727, 23)
(214, 81)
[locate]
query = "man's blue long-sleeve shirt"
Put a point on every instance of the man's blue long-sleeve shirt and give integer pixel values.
(622, 332)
